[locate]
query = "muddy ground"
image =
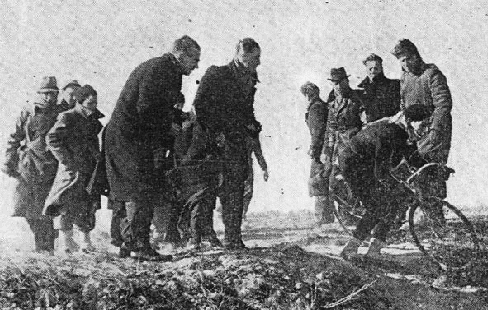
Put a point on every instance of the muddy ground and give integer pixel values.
(289, 265)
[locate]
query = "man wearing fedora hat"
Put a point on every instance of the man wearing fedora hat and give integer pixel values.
(68, 101)
(343, 121)
(32, 164)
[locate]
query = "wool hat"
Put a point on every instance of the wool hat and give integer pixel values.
(405, 47)
(72, 83)
(337, 74)
(48, 84)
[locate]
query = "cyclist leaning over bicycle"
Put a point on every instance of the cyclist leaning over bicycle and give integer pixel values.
(366, 164)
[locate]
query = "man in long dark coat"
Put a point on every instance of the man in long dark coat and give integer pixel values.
(224, 107)
(139, 134)
(30, 162)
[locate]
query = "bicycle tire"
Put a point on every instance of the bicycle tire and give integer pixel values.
(342, 211)
(452, 243)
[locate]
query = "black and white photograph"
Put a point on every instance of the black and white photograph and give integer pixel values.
(260, 154)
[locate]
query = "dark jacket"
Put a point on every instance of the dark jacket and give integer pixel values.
(317, 123)
(429, 87)
(29, 160)
(73, 140)
(344, 121)
(381, 97)
(224, 105)
(381, 146)
(140, 126)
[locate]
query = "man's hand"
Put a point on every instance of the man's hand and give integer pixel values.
(265, 175)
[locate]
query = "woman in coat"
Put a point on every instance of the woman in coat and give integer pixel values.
(74, 142)
(32, 164)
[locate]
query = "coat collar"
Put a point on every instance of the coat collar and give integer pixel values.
(367, 81)
(239, 71)
(172, 58)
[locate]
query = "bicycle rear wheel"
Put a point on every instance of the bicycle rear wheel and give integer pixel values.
(447, 238)
(348, 213)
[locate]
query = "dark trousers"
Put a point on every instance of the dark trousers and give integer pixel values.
(81, 214)
(324, 214)
(248, 191)
(44, 233)
(118, 213)
(231, 198)
(380, 208)
(135, 226)
(201, 217)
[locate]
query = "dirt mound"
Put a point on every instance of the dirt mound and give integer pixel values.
(260, 278)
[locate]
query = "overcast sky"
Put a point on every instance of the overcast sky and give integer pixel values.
(100, 43)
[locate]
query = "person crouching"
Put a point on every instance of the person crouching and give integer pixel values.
(73, 140)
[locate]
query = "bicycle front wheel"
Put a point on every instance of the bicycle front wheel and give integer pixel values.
(444, 234)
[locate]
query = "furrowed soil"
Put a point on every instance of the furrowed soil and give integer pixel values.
(289, 264)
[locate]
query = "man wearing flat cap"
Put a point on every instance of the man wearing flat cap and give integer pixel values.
(423, 83)
(380, 95)
(29, 161)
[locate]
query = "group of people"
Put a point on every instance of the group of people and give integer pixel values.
(362, 134)
(152, 156)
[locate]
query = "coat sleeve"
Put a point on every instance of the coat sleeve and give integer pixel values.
(56, 140)
(14, 143)
(441, 99)
(317, 123)
(206, 102)
(258, 152)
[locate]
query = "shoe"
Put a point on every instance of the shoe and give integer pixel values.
(235, 245)
(374, 250)
(215, 242)
(151, 255)
(351, 248)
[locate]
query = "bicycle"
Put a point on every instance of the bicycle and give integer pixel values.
(439, 229)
